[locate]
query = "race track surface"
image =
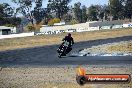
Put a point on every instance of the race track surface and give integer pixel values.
(47, 55)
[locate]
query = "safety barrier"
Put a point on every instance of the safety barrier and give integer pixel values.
(17, 35)
(51, 31)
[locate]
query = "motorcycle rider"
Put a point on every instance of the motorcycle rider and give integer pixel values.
(70, 40)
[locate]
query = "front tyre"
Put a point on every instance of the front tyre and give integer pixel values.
(59, 55)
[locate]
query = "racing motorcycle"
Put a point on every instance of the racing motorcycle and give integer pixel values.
(64, 49)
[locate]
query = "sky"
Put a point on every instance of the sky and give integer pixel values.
(83, 2)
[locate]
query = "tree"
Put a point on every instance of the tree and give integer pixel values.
(6, 16)
(93, 13)
(74, 21)
(6, 10)
(106, 10)
(35, 14)
(60, 7)
(67, 18)
(128, 9)
(47, 18)
(103, 12)
(40, 13)
(116, 9)
(78, 12)
(25, 8)
(84, 14)
(13, 21)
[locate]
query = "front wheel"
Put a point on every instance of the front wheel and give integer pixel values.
(62, 51)
(59, 55)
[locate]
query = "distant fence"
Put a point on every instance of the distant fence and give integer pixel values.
(127, 25)
(68, 30)
(84, 29)
(17, 35)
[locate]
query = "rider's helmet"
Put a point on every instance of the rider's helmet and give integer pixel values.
(69, 34)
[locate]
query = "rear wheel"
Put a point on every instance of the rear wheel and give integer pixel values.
(62, 51)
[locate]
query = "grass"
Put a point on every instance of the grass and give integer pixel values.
(42, 40)
(126, 47)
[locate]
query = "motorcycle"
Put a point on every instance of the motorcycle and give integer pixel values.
(64, 49)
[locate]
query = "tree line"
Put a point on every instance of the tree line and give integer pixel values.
(61, 10)
(6, 16)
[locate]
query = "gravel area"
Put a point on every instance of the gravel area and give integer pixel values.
(123, 48)
(57, 77)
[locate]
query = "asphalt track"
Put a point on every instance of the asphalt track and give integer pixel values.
(47, 55)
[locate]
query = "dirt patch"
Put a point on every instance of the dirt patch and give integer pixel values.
(15, 43)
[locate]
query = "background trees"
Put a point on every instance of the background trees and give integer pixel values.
(6, 16)
(80, 12)
(35, 13)
(116, 9)
(25, 8)
(128, 9)
(60, 7)
(84, 13)
(40, 13)
(121, 9)
(6, 10)
(93, 13)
